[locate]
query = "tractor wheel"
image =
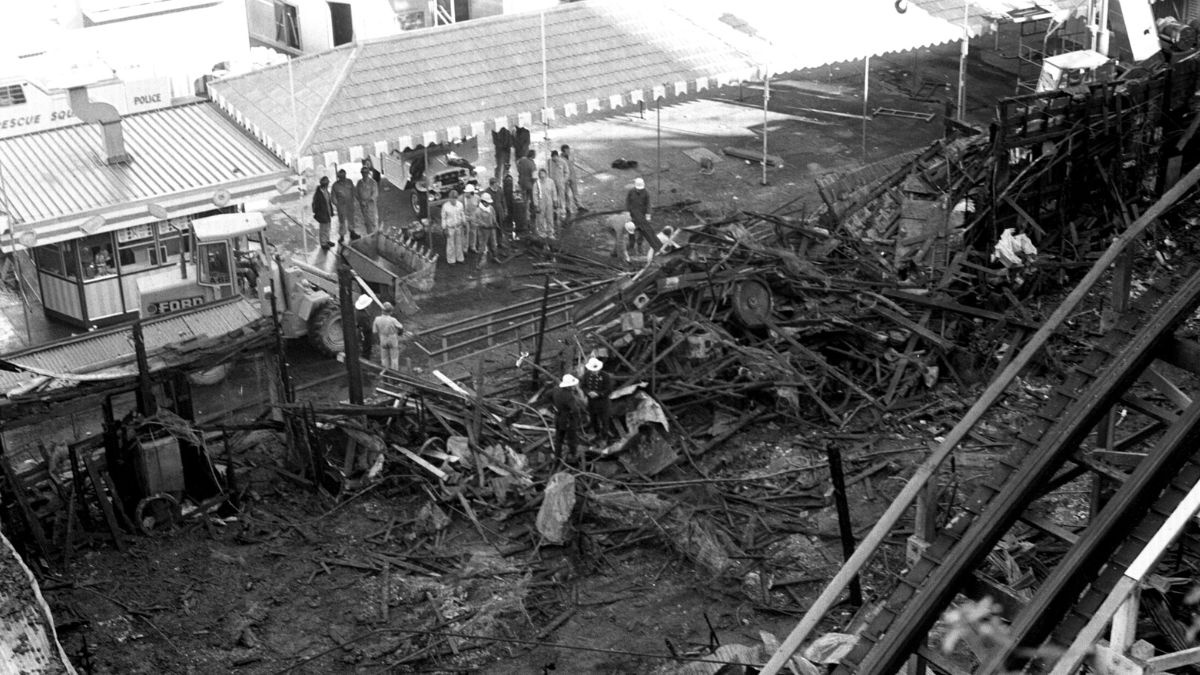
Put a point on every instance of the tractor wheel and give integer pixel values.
(752, 303)
(325, 329)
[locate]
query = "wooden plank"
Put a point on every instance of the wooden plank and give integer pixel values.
(112, 489)
(752, 155)
(421, 462)
(105, 505)
(1166, 387)
(940, 663)
(918, 328)
(951, 306)
(1187, 657)
(1124, 623)
(1108, 661)
(1052, 529)
(1025, 215)
(27, 512)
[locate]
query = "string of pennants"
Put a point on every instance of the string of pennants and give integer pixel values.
(309, 163)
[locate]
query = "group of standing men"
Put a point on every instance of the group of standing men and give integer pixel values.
(351, 204)
(577, 400)
(472, 224)
(550, 193)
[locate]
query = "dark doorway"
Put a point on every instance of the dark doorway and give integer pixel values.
(343, 23)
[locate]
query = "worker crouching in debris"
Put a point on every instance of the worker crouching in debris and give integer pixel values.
(623, 239)
(568, 418)
(597, 386)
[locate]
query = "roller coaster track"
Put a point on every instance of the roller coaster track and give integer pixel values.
(1048, 442)
(1096, 570)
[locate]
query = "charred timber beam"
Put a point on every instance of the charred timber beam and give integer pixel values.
(951, 306)
(1181, 352)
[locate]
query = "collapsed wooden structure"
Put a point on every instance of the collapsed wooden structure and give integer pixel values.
(845, 313)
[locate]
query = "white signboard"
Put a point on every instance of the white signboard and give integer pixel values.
(49, 110)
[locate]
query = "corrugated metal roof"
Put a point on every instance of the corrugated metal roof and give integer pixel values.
(55, 179)
(110, 348)
(447, 83)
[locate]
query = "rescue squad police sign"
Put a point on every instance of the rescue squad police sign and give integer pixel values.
(48, 109)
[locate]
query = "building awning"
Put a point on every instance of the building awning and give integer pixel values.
(790, 36)
(109, 354)
(185, 159)
(444, 84)
(985, 16)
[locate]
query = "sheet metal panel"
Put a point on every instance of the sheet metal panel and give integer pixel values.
(62, 172)
(105, 348)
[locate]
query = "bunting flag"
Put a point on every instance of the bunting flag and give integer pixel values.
(328, 161)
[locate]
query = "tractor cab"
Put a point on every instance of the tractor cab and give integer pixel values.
(230, 252)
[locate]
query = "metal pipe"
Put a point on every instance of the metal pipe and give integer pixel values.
(865, 107)
(296, 139)
(766, 98)
(545, 94)
(658, 149)
(962, 61)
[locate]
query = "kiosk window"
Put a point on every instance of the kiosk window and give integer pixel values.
(173, 243)
(96, 256)
(214, 263)
(49, 258)
(70, 255)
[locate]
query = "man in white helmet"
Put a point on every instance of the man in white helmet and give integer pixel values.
(486, 227)
(637, 203)
(568, 417)
(388, 329)
(597, 386)
(470, 201)
(623, 238)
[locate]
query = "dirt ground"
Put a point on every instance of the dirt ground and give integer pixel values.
(296, 581)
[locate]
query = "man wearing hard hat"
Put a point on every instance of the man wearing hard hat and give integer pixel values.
(568, 417)
(623, 238)
(597, 385)
(637, 203)
(486, 227)
(470, 200)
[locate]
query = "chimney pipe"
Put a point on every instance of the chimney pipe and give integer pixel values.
(108, 118)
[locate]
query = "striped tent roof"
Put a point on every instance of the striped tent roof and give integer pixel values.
(444, 84)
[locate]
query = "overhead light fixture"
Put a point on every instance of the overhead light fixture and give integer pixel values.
(221, 197)
(284, 184)
(158, 211)
(92, 224)
(28, 239)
